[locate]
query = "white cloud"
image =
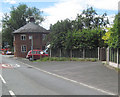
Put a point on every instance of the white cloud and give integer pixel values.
(104, 4)
(1, 14)
(10, 1)
(70, 8)
(111, 18)
(62, 10)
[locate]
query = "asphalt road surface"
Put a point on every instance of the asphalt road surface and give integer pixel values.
(20, 78)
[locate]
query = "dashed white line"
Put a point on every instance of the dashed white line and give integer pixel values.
(59, 76)
(12, 93)
(2, 79)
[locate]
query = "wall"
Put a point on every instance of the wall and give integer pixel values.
(37, 43)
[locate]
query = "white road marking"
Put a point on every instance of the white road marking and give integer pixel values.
(12, 93)
(59, 76)
(2, 79)
(17, 65)
(6, 66)
(14, 65)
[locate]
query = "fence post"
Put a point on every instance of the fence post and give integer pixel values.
(117, 57)
(71, 53)
(60, 52)
(98, 53)
(83, 53)
(107, 61)
(50, 52)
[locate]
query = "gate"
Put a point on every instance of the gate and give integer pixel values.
(102, 54)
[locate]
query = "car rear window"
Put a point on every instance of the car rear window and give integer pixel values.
(38, 52)
(33, 52)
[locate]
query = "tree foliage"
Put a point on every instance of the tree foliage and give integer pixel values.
(112, 36)
(85, 31)
(17, 18)
(59, 32)
(89, 19)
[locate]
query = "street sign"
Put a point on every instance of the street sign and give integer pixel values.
(30, 37)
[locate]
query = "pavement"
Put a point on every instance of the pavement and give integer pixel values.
(91, 73)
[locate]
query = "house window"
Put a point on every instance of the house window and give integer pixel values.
(23, 37)
(43, 36)
(23, 48)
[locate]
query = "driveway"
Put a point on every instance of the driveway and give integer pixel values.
(91, 73)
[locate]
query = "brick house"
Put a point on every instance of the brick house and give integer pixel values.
(22, 42)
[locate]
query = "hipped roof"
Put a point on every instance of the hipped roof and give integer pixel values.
(31, 28)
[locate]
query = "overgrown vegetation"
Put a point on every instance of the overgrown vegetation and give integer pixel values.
(85, 31)
(112, 36)
(64, 59)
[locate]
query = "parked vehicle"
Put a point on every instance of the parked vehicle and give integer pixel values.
(45, 51)
(6, 51)
(37, 54)
(9, 53)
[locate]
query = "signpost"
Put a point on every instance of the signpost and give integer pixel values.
(31, 38)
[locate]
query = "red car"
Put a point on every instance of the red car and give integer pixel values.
(37, 54)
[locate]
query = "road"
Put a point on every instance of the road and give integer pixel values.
(20, 78)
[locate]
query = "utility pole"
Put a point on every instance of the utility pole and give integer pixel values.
(31, 38)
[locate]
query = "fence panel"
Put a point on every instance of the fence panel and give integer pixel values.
(113, 55)
(77, 53)
(55, 53)
(65, 53)
(91, 53)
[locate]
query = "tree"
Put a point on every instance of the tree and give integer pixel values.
(85, 31)
(112, 36)
(59, 32)
(18, 18)
(87, 38)
(78, 23)
(89, 19)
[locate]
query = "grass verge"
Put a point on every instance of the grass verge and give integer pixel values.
(117, 69)
(64, 59)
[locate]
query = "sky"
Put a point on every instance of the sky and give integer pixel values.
(54, 10)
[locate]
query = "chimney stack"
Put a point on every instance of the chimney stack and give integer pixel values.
(32, 19)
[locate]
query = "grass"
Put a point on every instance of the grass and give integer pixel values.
(64, 59)
(117, 69)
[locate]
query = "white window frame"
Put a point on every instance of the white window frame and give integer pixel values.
(23, 37)
(23, 48)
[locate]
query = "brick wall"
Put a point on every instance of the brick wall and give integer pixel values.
(37, 43)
